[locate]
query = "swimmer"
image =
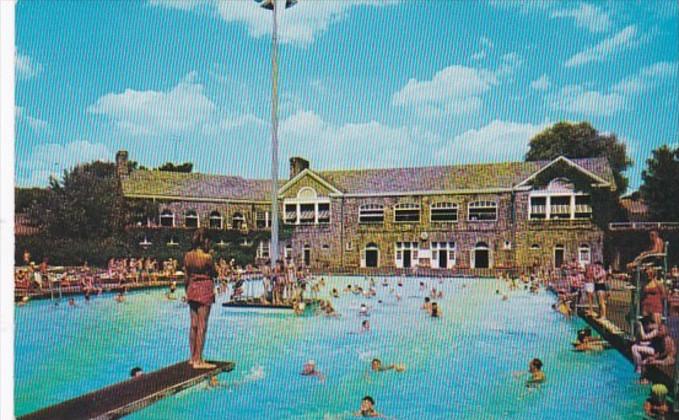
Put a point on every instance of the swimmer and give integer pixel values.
(365, 326)
(120, 298)
(334, 293)
(427, 304)
(377, 366)
(363, 311)
(71, 302)
(367, 408)
(422, 286)
(537, 376)
(347, 289)
(435, 311)
(136, 372)
(309, 369)
(24, 300)
(505, 297)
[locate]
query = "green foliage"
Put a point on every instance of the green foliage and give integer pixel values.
(185, 167)
(660, 188)
(24, 198)
(86, 204)
(581, 140)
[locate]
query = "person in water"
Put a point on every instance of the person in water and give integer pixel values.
(376, 365)
(656, 406)
(537, 376)
(427, 304)
(334, 293)
(435, 311)
(120, 297)
(136, 372)
(367, 408)
(309, 369)
(586, 342)
(365, 326)
(200, 269)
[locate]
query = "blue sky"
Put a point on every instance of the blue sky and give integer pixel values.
(363, 84)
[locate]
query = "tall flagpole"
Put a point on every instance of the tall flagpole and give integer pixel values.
(274, 139)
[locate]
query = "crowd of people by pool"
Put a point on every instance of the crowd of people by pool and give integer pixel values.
(580, 288)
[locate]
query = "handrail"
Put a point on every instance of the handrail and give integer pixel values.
(642, 225)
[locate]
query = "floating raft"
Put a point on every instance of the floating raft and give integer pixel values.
(134, 394)
(255, 303)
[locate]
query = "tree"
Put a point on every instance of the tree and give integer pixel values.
(186, 167)
(581, 140)
(660, 188)
(87, 203)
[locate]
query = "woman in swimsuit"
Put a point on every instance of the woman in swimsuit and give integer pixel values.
(654, 295)
(200, 270)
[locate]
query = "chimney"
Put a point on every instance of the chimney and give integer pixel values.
(122, 167)
(297, 165)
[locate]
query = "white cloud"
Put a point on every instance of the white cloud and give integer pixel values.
(352, 145)
(234, 122)
(299, 25)
(587, 16)
(578, 100)
(26, 68)
(147, 113)
(625, 39)
(498, 141)
(52, 159)
(647, 78)
(35, 123)
(541, 83)
(453, 90)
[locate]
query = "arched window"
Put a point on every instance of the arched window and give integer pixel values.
(167, 218)
(481, 256)
(371, 255)
(371, 214)
(482, 211)
(307, 193)
(216, 221)
(407, 212)
(191, 219)
(443, 212)
(237, 221)
(535, 247)
(584, 254)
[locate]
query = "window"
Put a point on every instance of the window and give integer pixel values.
(288, 251)
(371, 214)
(584, 255)
(482, 211)
(583, 207)
(191, 219)
(262, 220)
(406, 254)
(263, 249)
(167, 218)
(371, 256)
(535, 247)
(307, 214)
(238, 221)
(444, 212)
(442, 254)
(538, 207)
(325, 247)
(291, 213)
(324, 213)
(507, 245)
(215, 220)
(349, 246)
(407, 213)
(172, 241)
(560, 207)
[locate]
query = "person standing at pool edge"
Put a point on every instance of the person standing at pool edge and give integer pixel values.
(199, 270)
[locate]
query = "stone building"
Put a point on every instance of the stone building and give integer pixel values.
(500, 215)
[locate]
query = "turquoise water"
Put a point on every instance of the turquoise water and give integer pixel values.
(458, 366)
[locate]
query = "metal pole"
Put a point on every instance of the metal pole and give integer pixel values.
(274, 139)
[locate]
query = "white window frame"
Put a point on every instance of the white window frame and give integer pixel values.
(472, 254)
(548, 194)
(370, 247)
(408, 206)
(444, 206)
(413, 247)
(195, 216)
(449, 247)
(264, 249)
(212, 217)
(370, 208)
(242, 219)
(267, 219)
(559, 247)
(306, 199)
(482, 204)
(163, 214)
(581, 248)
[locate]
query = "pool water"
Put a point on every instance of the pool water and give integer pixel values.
(458, 366)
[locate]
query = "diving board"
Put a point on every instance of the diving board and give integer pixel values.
(134, 394)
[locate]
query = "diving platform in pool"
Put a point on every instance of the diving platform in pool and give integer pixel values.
(134, 394)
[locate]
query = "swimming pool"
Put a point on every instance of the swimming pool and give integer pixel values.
(458, 366)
